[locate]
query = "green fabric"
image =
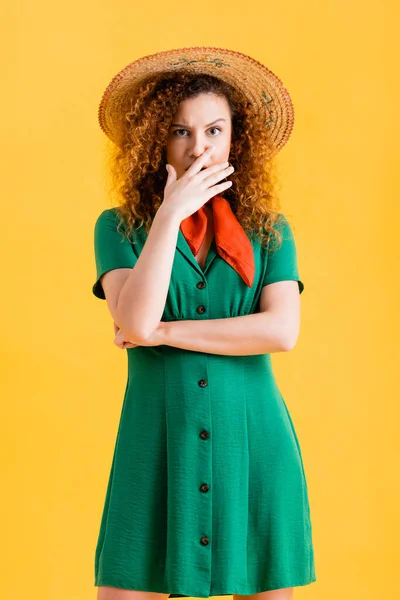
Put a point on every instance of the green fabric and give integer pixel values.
(255, 511)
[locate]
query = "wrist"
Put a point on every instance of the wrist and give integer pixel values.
(167, 215)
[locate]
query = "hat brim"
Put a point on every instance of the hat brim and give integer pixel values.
(259, 84)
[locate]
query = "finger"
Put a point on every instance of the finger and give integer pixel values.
(217, 189)
(221, 169)
(211, 182)
(171, 174)
(199, 162)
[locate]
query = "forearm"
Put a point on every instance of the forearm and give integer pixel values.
(259, 333)
(142, 298)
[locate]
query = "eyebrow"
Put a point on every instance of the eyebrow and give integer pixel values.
(180, 124)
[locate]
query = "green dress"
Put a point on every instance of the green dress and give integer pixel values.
(207, 493)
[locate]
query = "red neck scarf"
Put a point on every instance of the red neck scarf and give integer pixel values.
(231, 241)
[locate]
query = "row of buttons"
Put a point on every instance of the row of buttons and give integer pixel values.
(201, 309)
(204, 486)
(204, 541)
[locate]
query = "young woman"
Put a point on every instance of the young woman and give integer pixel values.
(207, 493)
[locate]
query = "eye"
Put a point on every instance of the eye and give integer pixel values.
(175, 132)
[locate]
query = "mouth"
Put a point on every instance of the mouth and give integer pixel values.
(202, 168)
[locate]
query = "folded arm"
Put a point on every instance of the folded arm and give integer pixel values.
(274, 329)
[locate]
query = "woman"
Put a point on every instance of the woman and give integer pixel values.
(207, 493)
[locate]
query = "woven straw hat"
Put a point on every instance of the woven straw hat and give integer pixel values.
(262, 87)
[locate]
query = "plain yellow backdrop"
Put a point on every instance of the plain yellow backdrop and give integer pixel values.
(63, 379)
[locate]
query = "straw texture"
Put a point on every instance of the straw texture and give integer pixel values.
(261, 86)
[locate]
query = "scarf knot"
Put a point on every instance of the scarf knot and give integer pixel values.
(231, 240)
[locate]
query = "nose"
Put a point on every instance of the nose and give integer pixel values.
(194, 155)
(198, 147)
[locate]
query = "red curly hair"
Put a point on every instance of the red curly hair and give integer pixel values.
(136, 166)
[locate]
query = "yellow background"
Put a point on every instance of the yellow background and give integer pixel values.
(63, 379)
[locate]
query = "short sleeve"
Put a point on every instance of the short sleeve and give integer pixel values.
(282, 261)
(111, 249)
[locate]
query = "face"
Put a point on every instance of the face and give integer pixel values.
(199, 123)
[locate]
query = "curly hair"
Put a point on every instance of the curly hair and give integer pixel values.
(136, 166)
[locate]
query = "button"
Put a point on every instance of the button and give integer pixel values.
(204, 435)
(204, 487)
(203, 382)
(204, 541)
(201, 285)
(201, 309)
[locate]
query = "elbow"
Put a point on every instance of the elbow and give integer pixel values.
(132, 332)
(287, 330)
(287, 345)
(136, 336)
(288, 340)
(135, 329)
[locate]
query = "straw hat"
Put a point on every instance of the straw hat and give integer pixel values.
(262, 87)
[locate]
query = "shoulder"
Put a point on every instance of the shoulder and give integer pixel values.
(111, 227)
(280, 222)
(115, 217)
(281, 226)
(284, 227)
(109, 223)
(108, 215)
